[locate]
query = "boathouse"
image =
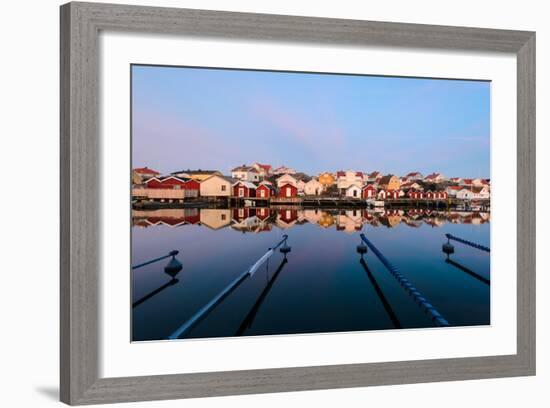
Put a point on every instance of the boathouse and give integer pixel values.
(368, 191)
(265, 191)
(353, 191)
(244, 189)
(288, 190)
(216, 186)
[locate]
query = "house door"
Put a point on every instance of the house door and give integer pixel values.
(288, 192)
(262, 193)
(241, 192)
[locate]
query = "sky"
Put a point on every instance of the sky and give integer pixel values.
(218, 119)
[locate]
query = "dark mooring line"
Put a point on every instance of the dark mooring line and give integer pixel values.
(249, 319)
(466, 242)
(171, 282)
(206, 309)
(436, 317)
(172, 253)
(468, 271)
(385, 303)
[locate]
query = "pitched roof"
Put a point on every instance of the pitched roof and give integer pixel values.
(266, 167)
(244, 167)
(246, 184)
(414, 173)
(432, 176)
(226, 178)
(146, 170)
(386, 179)
(374, 174)
(197, 172)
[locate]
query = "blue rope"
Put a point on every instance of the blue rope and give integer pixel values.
(472, 244)
(436, 317)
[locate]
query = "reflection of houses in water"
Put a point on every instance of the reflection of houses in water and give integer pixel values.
(313, 216)
(287, 218)
(215, 218)
(263, 213)
(390, 218)
(242, 213)
(326, 220)
(250, 224)
(349, 221)
(250, 219)
(172, 217)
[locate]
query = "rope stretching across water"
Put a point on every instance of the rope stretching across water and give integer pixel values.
(428, 308)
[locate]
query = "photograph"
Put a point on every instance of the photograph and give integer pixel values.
(291, 203)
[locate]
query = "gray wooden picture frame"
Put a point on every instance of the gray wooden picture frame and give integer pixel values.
(80, 233)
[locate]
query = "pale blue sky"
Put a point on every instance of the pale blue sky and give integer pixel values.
(218, 119)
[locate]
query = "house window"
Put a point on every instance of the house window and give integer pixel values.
(224, 188)
(223, 217)
(355, 193)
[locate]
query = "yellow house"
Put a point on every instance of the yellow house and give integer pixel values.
(326, 179)
(198, 175)
(390, 182)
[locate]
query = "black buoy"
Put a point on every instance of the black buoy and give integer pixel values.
(173, 267)
(448, 248)
(361, 248)
(285, 249)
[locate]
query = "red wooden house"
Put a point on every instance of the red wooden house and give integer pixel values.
(263, 213)
(244, 189)
(368, 191)
(173, 183)
(288, 190)
(265, 191)
(415, 194)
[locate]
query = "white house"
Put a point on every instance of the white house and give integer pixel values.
(284, 170)
(264, 170)
(287, 179)
(245, 173)
(345, 179)
(473, 193)
(353, 191)
(453, 190)
(434, 178)
(415, 175)
(216, 186)
(313, 187)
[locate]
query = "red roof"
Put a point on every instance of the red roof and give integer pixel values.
(359, 174)
(412, 174)
(266, 167)
(146, 170)
(340, 173)
(432, 176)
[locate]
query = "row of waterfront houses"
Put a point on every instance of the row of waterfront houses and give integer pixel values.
(261, 181)
(261, 219)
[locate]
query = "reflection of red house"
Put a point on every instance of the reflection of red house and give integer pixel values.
(264, 191)
(173, 183)
(288, 190)
(244, 189)
(368, 191)
(262, 213)
(288, 216)
(241, 213)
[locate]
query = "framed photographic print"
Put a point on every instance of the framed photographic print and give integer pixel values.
(259, 203)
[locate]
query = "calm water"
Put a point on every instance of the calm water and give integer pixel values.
(320, 286)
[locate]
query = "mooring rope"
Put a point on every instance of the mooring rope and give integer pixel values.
(470, 243)
(436, 317)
